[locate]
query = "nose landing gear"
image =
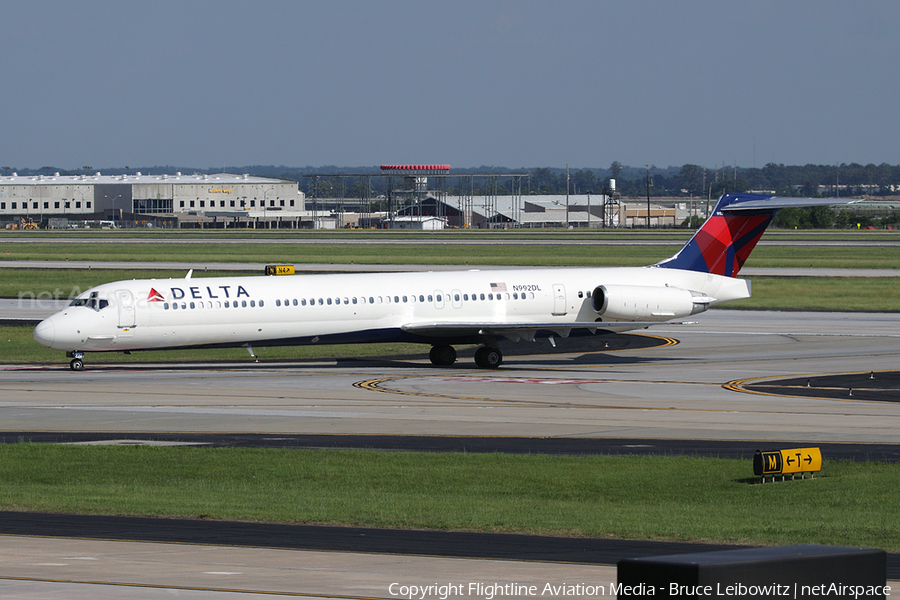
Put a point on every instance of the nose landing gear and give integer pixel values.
(77, 362)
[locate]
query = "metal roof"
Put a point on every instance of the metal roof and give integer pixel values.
(137, 178)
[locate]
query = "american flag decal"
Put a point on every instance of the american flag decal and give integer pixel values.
(498, 287)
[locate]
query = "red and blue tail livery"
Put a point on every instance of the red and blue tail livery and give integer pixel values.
(724, 242)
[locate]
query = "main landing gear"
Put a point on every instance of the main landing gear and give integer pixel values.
(442, 355)
(485, 357)
(488, 358)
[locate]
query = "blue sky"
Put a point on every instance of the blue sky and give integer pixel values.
(206, 83)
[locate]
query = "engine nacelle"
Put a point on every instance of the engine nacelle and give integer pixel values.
(646, 303)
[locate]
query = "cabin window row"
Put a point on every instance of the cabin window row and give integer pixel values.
(346, 300)
(421, 298)
(226, 304)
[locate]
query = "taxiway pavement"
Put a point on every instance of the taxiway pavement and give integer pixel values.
(682, 390)
(689, 387)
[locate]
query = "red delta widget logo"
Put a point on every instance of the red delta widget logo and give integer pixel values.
(201, 293)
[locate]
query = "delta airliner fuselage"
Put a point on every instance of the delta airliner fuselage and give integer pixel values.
(440, 308)
(437, 308)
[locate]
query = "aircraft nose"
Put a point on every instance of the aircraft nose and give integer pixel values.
(45, 333)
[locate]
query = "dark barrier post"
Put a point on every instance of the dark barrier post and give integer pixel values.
(795, 572)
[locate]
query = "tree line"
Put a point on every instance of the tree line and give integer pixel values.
(845, 180)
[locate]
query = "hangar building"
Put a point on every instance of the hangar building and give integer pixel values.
(97, 196)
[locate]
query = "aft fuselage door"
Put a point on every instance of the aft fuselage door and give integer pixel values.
(559, 299)
(125, 304)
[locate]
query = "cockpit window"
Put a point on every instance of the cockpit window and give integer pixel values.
(92, 302)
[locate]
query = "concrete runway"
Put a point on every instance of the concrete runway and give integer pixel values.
(683, 390)
(78, 569)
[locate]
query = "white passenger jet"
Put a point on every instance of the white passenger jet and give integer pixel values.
(437, 308)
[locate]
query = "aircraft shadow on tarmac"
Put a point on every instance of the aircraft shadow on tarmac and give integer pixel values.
(590, 350)
(602, 349)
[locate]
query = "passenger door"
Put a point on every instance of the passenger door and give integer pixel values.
(125, 306)
(559, 299)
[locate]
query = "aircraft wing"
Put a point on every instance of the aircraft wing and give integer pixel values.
(518, 331)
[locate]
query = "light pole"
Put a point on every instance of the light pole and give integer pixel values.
(648, 196)
(265, 203)
(81, 192)
(114, 205)
(589, 210)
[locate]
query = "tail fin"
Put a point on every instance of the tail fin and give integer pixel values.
(724, 242)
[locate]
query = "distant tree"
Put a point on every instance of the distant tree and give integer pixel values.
(892, 219)
(583, 181)
(615, 169)
(863, 221)
(358, 189)
(693, 222)
(812, 217)
(883, 179)
(543, 181)
(819, 217)
(690, 178)
(323, 188)
(729, 186)
(809, 189)
(844, 219)
(777, 178)
(787, 218)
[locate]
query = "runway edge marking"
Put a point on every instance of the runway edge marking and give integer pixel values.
(737, 385)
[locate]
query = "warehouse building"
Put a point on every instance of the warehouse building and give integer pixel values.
(134, 197)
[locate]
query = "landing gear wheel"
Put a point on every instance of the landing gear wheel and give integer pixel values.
(488, 358)
(77, 364)
(442, 356)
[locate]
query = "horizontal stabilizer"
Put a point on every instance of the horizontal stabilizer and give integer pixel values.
(743, 205)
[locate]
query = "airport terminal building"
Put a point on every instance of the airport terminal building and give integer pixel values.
(221, 196)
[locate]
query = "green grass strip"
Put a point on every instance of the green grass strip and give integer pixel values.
(668, 498)
(384, 252)
(822, 293)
